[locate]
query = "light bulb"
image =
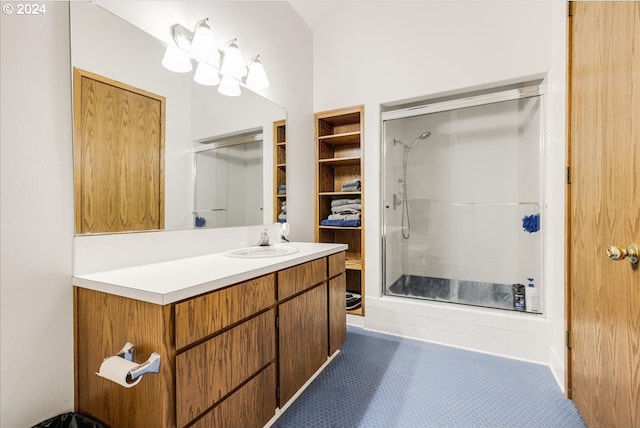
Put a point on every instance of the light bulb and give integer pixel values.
(206, 74)
(203, 44)
(232, 63)
(176, 60)
(257, 78)
(229, 86)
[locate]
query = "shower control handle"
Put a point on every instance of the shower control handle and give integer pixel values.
(617, 253)
(396, 201)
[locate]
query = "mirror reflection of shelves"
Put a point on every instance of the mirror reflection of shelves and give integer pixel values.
(280, 171)
(339, 190)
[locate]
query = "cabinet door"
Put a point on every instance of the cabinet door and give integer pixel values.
(337, 313)
(119, 156)
(303, 337)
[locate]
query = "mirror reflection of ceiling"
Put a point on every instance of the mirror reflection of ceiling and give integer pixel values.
(314, 13)
(107, 45)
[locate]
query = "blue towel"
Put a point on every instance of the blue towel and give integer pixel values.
(353, 186)
(344, 223)
(355, 183)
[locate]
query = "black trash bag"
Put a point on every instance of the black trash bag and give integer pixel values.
(70, 420)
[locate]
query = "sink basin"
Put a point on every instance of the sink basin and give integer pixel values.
(259, 252)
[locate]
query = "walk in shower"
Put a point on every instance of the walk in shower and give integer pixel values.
(462, 200)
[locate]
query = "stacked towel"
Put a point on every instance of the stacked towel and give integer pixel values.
(282, 189)
(353, 186)
(344, 212)
(343, 223)
(282, 217)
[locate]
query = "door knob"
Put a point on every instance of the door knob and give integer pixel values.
(617, 253)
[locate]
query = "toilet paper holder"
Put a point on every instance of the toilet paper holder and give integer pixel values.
(152, 365)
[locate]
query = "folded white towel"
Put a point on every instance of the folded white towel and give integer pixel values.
(338, 202)
(347, 209)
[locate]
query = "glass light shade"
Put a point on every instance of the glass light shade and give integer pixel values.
(203, 45)
(206, 75)
(232, 63)
(176, 60)
(229, 86)
(257, 77)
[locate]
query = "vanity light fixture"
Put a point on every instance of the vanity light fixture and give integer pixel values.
(199, 45)
(229, 86)
(257, 77)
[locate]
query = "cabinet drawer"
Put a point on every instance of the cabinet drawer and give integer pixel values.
(301, 277)
(209, 371)
(203, 316)
(252, 406)
(336, 264)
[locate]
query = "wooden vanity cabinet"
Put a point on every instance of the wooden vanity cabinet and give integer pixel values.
(224, 354)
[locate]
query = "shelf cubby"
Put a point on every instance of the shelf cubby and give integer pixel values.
(339, 150)
(280, 166)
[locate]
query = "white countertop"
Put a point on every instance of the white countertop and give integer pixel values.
(171, 281)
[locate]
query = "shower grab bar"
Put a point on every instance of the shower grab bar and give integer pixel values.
(492, 204)
(209, 210)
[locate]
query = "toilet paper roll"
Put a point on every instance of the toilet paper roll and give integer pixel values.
(116, 369)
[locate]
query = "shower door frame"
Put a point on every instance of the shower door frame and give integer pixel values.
(490, 96)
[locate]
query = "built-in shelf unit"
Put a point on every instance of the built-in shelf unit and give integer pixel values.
(279, 170)
(339, 147)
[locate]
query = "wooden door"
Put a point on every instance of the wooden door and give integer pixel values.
(604, 149)
(118, 156)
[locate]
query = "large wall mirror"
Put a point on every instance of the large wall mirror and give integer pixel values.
(199, 124)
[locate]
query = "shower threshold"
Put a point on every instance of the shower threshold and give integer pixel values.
(464, 292)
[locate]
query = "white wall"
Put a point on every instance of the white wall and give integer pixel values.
(385, 52)
(554, 220)
(36, 335)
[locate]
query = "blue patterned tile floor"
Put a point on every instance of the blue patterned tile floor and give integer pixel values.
(379, 380)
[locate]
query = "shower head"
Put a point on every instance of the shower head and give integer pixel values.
(408, 147)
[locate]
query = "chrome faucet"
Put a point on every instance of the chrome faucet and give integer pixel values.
(284, 232)
(264, 239)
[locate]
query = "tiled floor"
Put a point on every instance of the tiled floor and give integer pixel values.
(386, 381)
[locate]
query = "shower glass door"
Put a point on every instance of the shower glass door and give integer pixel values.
(462, 201)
